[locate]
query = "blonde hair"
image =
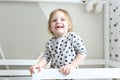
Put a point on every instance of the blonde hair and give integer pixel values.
(70, 25)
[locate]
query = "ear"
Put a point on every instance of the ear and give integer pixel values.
(69, 27)
(90, 5)
(98, 7)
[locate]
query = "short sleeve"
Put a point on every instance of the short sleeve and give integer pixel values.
(79, 45)
(47, 53)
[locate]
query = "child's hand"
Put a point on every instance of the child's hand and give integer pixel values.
(34, 67)
(66, 69)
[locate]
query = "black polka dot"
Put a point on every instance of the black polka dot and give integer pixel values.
(65, 56)
(81, 40)
(66, 60)
(62, 41)
(110, 4)
(74, 36)
(56, 61)
(71, 50)
(114, 10)
(110, 18)
(53, 55)
(60, 58)
(110, 40)
(56, 51)
(65, 45)
(114, 25)
(116, 55)
(60, 44)
(71, 59)
(57, 42)
(60, 62)
(115, 40)
(82, 48)
(46, 53)
(71, 34)
(66, 51)
(72, 54)
(65, 42)
(56, 47)
(60, 51)
(57, 66)
(61, 54)
(78, 43)
(69, 47)
(116, 7)
(52, 49)
(59, 48)
(47, 43)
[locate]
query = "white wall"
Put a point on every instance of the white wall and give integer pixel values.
(27, 21)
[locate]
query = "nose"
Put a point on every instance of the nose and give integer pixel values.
(58, 21)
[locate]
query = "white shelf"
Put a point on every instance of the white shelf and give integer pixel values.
(58, 1)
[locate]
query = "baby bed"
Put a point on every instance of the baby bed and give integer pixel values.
(83, 73)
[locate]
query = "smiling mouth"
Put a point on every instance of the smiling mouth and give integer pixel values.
(59, 27)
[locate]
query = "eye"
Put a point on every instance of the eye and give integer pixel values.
(62, 19)
(54, 20)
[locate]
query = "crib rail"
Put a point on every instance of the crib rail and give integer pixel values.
(13, 73)
(31, 62)
(85, 73)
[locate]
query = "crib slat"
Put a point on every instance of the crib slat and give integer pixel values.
(18, 61)
(14, 73)
(33, 61)
(88, 73)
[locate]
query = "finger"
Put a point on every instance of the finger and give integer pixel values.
(67, 71)
(39, 69)
(31, 70)
(61, 68)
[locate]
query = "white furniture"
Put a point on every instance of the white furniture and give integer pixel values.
(83, 73)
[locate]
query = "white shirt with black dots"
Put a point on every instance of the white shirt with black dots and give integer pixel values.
(62, 51)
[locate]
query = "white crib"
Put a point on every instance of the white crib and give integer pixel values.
(82, 73)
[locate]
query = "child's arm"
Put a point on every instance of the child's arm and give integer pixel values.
(41, 64)
(67, 69)
(79, 58)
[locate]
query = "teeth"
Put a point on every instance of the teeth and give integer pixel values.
(59, 27)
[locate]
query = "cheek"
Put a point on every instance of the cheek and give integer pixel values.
(52, 24)
(52, 28)
(66, 26)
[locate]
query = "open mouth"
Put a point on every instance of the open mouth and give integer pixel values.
(59, 26)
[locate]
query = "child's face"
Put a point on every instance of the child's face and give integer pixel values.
(59, 24)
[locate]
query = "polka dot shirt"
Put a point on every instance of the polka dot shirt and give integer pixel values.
(62, 51)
